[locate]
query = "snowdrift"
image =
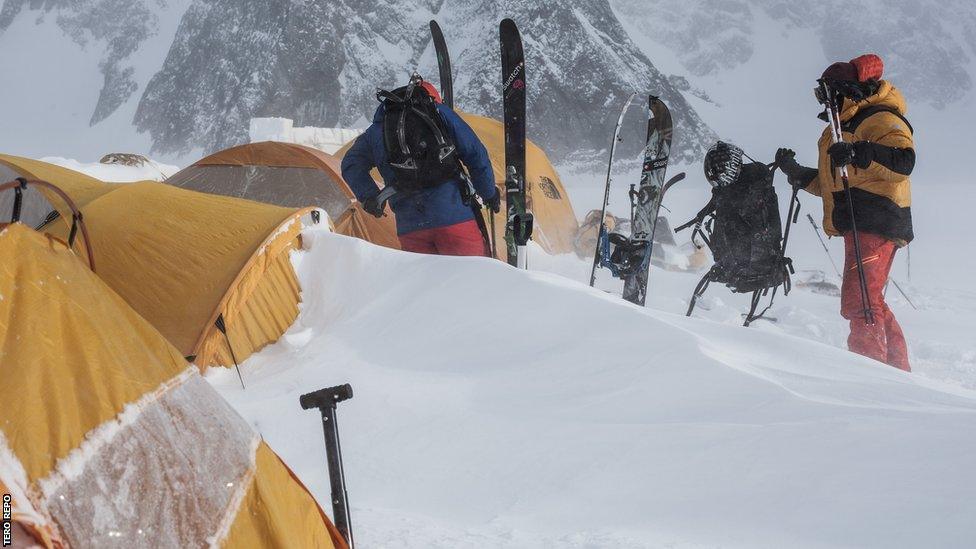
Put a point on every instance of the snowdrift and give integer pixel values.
(501, 408)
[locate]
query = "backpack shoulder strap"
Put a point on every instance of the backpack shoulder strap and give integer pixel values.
(864, 114)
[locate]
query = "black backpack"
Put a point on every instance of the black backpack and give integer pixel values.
(419, 148)
(741, 226)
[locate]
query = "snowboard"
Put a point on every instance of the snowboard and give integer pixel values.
(518, 227)
(647, 198)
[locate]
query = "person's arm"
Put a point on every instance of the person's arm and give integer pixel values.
(796, 174)
(473, 154)
(886, 150)
(356, 166)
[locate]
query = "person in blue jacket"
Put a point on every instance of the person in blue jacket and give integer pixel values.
(433, 220)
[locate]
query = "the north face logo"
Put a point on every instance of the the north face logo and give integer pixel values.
(549, 189)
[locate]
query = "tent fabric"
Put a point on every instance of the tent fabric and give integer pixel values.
(286, 174)
(109, 439)
(555, 222)
(39, 202)
(182, 258)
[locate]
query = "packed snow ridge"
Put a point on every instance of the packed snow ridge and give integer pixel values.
(502, 408)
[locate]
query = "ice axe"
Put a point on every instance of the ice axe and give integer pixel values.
(326, 400)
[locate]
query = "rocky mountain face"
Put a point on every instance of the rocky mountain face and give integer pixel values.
(320, 63)
(928, 45)
(120, 26)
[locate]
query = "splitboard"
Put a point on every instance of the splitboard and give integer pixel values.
(518, 227)
(648, 196)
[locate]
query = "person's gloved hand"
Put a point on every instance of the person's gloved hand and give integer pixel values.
(857, 154)
(786, 160)
(495, 202)
(373, 207)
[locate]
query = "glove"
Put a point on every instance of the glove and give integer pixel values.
(859, 154)
(495, 203)
(373, 207)
(786, 160)
(797, 175)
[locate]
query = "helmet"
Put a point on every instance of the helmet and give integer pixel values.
(723, 162)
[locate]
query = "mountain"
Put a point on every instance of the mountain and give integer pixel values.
(320, 63)
(928, 44)
(182, 77)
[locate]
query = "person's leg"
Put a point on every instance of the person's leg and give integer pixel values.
(420, 242)
(876, 251)
(460, 239)
(895, 338)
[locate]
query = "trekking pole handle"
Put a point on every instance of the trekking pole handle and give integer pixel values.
(326, 398)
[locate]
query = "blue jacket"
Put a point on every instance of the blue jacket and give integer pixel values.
(429, 208)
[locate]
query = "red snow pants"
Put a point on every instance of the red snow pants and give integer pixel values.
(459, 239)
(884, 340)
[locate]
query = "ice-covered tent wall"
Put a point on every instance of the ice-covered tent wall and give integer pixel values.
(109, 439)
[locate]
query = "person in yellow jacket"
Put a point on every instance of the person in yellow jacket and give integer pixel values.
(879, 154)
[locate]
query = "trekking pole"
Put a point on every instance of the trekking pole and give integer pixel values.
(826, 95)
(325, 400)
(908, 250)
(816, 229)
(902, 292)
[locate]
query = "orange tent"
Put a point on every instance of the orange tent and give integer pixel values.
(291, 175)
(109, 439)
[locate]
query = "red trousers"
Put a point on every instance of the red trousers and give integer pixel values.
(884, 340)
(460, 239)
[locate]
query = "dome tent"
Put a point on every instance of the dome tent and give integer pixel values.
(37, 203)
(186, 260)
(286, 174)
(109, 439)
(555, 222)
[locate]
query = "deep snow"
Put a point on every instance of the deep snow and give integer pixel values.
(502, 408)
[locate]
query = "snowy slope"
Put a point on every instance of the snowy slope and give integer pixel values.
(570, 433)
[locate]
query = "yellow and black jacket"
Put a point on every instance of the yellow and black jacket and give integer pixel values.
(881, 192)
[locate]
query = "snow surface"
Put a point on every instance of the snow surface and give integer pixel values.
(502, 408)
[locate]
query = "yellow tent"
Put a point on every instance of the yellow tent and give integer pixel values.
(291, 175)
(555, 221)
(109, 439)
(185, 260)
(38, 203)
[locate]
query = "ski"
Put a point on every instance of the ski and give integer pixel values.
(518, 228)
(648, 195)
(598, 252)
(443, 65)
(447, 97)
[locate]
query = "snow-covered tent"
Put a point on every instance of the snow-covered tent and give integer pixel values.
(555, 221)
(184, 260)
(287, 174)
(109, 439)
(37, 203)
